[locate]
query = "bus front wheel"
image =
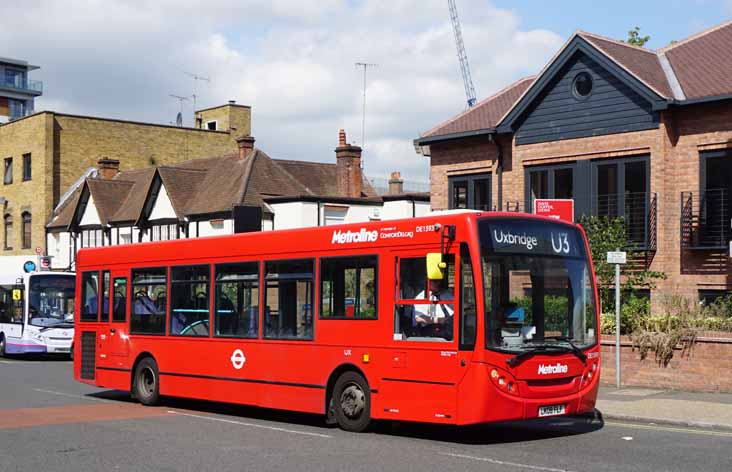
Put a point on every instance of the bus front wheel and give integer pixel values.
(352, 402)
(147, 385)
(2, 345)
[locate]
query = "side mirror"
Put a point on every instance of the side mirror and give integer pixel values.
(435, 266)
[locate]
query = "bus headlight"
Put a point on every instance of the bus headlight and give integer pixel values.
(504, 381)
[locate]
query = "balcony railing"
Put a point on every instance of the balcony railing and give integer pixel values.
(25, 85)
(705, 219)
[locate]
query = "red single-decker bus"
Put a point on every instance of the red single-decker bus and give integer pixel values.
(457, 317)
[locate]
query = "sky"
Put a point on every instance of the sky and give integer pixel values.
(293, 60)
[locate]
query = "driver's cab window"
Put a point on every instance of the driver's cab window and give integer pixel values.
(425, 309)
(189, 300)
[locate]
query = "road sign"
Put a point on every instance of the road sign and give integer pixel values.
(617, 257)
(45, 262)
(29, 266)
(557, 208)
(39, 250)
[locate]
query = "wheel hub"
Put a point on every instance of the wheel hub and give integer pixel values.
(353, 401)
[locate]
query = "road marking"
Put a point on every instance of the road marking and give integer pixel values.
(71, 395)
(504, 463)
(670, 429)
(253, 425)
(75, 414)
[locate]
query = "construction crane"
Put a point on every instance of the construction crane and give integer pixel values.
(462, 55)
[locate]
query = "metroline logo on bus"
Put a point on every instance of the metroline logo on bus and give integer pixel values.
(365, 236)
(552, 369)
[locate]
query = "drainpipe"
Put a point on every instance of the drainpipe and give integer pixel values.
(499, 171)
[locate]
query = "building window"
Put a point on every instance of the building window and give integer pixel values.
(582, 85)
(211, 125)
(92, 238)
(288, 298)
(334, 215)
(348, 287)
(26, 167)
(26, 235)
(189, 297)
(8, 230)
(470, 191)
(8, 176)
(149, 288)
(165, 232)
(549, 182)
(237, 300)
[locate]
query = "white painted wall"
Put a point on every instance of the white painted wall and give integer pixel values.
(363, 213)
(295, 215)
(90, 216)
(163, 208)
(207, 228)
(267, 223)
(58, 245)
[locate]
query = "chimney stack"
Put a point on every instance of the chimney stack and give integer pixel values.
(108, 168)
(246, 144)
(396, 184)
(348, 168)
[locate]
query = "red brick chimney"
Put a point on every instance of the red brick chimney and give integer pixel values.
(246, 144)
(108, 168)
(396, 184)
(348, 168)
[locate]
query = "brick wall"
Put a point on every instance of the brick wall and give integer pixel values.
(674, 167)
(705, 369)
(63, 147)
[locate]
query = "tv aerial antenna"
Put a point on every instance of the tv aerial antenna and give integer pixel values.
(365, 66)
(179, 118)
(196, 78)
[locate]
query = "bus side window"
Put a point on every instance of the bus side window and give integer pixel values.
(105, 296)
(237, 300)
(348, 287)
(288, 298)
(468, 310)
(119, 300)
(89, 296)
(148, 306)
(415, 317)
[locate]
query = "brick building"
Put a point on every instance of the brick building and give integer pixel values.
(212, 196)
(622, 130)
(44, 154)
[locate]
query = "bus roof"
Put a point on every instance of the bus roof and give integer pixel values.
(320, 240)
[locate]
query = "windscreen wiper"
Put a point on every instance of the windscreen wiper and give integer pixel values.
(576, 350)
(537, 349)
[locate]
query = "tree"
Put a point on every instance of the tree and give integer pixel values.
(635, 38)
(608, 234)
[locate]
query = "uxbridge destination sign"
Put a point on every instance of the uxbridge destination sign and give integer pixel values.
(531, 238)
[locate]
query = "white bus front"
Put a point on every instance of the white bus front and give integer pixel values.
(37, 313)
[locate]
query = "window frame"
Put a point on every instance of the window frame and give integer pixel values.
(27, 167)
(82, 298)
(7, 231)
(131, 299)
(466, 346)
(550, 187)
(114, 298)
(260, 312)
(26, 232)
(263, 295)
(8, 171)
(169, 307)
(470, 180)
(320, 287)
(106, 283)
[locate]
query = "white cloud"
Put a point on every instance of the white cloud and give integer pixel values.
(292, 60)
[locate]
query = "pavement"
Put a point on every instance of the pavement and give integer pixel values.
(672, 407)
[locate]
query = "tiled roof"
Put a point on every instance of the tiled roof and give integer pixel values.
(206, 186)
(697, 67)
(642, 63)
(485, 114)
(703, 63)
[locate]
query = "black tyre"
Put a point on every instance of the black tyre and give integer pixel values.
(2, 345)
(352, 402)
(147, 382)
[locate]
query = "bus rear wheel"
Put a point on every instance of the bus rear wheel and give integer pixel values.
(352, 402)
(147, 385)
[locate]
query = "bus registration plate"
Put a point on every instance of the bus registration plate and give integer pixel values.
(552, 410)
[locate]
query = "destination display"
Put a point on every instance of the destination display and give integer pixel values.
(531, 237)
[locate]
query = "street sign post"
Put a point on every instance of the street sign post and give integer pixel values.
(617, 257)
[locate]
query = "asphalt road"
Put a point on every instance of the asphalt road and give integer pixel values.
(49, 422)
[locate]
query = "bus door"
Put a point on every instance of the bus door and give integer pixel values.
(426, 360)
(12, 299)
(114, 341)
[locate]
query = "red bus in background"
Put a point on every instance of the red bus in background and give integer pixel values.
(456, 317)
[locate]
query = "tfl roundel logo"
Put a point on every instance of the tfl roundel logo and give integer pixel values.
(238, 359)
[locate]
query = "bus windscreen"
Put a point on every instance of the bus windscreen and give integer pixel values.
(51, 300)
(538, 286)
